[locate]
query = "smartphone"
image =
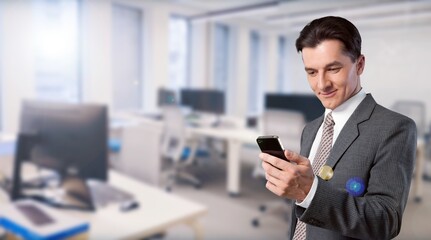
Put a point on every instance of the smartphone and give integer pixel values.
(272, 145)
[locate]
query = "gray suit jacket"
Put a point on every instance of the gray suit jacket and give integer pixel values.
(377, 146)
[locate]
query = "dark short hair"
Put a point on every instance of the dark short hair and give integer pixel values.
(331, 28)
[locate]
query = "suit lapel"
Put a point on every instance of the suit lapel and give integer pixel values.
(350, 130)
(309, 135)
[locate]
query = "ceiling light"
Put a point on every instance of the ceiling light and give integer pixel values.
(255, 9)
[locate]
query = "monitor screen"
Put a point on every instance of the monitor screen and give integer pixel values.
(204, 100)
(70, 138)
(166, 97)
(307, 104)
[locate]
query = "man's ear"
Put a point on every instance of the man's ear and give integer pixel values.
(360, 65)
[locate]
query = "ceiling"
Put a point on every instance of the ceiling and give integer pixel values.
(292, 15)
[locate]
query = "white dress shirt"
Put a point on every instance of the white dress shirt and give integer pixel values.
(340, 115)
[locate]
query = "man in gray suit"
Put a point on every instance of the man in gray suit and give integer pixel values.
(352, 177)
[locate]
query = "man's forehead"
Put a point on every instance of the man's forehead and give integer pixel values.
(324, 54)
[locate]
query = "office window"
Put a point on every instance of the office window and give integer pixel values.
(282, 64)
(255, 93)
(221, 56)
(223, 61)
(179, 39)
(127, 57)
(57, 49)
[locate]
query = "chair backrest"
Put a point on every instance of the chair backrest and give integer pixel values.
(174, 137)
(415, 110)
(286, 124)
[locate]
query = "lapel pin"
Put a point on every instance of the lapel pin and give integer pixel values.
(326, 172)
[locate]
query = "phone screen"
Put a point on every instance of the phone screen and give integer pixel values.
(271, 145)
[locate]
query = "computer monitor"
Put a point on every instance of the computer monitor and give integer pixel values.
(307, 104)
(69, 138)
(204, 100)
(166, 97)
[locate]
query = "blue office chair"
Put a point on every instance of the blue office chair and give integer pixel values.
(114, 145)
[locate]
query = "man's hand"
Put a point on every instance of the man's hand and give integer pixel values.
(288, 179)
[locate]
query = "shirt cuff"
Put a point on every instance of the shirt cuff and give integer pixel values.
(307, 200)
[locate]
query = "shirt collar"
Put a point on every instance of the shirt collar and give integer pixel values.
(343, 112)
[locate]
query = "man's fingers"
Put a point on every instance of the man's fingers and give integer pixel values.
(295, 157)
(271, 170)
(274, 161)
(273, 188)
(276, 180)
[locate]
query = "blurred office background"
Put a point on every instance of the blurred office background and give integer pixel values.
(128, 53)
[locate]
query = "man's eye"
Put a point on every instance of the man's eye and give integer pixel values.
(311, 73)
(334, 70)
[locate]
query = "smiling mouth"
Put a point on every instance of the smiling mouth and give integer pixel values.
(328, 94)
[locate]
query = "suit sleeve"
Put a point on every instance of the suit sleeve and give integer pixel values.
(377, 213)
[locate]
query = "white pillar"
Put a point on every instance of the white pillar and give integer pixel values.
(241, 72)
(97, 52)
(17, 60)
(272, 61)
(156, 62)
(200, 67)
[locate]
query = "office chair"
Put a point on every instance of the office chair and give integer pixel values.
(177, 148)
(288, 126)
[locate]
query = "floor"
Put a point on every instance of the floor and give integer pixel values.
(231, 217)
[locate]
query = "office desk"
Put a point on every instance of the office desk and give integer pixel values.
(158, 211)
(234, 137)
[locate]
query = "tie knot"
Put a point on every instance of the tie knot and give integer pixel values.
(329, 120)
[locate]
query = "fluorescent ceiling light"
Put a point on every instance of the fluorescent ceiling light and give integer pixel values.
(406, 18)
(356, 12)
(255, 9)
(373, 21)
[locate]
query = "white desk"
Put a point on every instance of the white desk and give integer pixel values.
(235, 137)
(158, 211)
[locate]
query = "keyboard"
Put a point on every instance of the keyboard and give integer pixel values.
(103, 194)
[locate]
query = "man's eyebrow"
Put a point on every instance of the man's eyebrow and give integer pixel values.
(331, 64)
(334, 64)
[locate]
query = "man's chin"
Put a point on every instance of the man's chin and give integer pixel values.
(329, 104)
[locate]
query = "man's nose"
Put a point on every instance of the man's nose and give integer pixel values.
(323, 82)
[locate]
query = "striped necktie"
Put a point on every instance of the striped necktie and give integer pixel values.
(322, 154)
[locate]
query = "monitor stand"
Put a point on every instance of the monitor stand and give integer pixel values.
(25, 144)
